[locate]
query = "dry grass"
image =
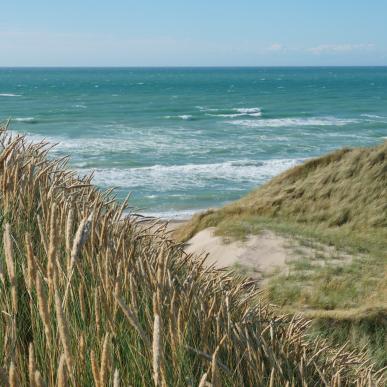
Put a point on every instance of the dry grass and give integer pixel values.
(341, 200)
(346, 189)
(89, 297)
(338, 199)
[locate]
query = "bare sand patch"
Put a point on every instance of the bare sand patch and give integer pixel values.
(259, 255)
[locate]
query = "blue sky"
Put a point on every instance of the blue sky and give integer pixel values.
(193, 33)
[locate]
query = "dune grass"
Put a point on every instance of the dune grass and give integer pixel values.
(345, 189)
(339, 200)
(341, 296)
(91, 297)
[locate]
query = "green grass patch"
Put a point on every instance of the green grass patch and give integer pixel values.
(319, 282)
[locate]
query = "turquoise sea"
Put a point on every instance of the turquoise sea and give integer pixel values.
(185, 139)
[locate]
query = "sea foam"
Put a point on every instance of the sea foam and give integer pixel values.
(373, 116)
(182, 116)
(234, 112)
(25, 119)
(188, 176)
(294, 122)
(9, 95)
(172, 214)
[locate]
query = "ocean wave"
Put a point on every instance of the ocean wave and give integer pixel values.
(31, 120)
(129, 140)
(294, 122)
(182, 116)
(232, 113)
(9, 95)
(172, 214)
(170, 177)
(373, 116)
(248, 110)
(185, 116)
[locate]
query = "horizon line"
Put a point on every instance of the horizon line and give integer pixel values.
(185, 66)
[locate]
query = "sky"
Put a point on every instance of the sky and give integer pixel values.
(193, 33)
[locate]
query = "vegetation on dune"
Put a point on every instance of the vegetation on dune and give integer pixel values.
(340, 200)
(89, 297)
(346, 189)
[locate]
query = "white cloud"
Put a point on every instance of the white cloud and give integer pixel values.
(337, 48)
(276, 47)
(42, 47)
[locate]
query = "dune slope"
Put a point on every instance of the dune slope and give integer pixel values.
(346, 188)
(341, 200)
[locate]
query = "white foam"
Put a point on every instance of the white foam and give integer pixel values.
(172, 214)
(124, 138)
(189, 176)
(248, 110)
(226, 115)
(294, 122)
(240, 112)
(236, 115)
(9, 95)
(372, 116)
(183, 117)
(24, 119)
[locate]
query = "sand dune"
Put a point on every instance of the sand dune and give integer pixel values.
(260, 253)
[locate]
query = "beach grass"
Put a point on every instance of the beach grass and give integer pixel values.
(90, 296)
(338, 200)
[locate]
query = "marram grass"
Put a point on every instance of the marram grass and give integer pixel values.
(339, 199)
(90, 297)
(344, 191)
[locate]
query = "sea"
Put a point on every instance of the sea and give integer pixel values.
(182, 140)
